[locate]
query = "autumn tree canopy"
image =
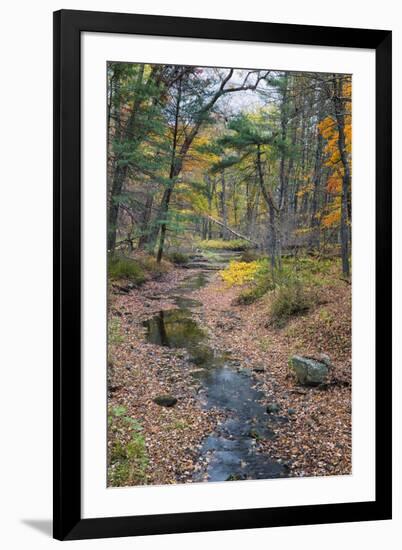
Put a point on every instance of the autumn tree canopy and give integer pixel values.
(203, 153)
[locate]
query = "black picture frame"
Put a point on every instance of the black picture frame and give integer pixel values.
(68, 522)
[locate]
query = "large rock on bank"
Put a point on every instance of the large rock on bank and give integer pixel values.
(308, 371)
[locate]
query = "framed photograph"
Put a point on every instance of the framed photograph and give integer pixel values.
(222, 275)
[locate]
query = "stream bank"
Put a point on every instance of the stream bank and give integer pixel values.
(183, 336)
(232, 451)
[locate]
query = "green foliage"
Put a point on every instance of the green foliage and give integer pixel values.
(261, 284)
(312, 272)
(119, 410)
(246, 131)
(180, 425)
(265, 343)
(137, 270)
(178, 258)
(307, 272)
(213, 257)
(289, 300)
(120, 267)
(114, 331)
(152, 267)
(128, 459)
(326, 317)
(310, 265)
(237, 245)
(252, 294)
(291, 286)
(249, 256)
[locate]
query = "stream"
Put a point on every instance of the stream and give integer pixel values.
(232, 451)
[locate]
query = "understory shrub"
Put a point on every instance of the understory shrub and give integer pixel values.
(121, 267)
(253, 293)
(127, 454)
(249, 256)
(259, 285)
(151, 266)
(292, 283)
(289, 300)
(238, 273)
(138, 269)
(178, 258)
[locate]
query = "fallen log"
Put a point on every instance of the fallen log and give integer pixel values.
(236, 233)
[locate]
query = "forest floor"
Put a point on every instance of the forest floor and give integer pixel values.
(314, 438)
(139, 371)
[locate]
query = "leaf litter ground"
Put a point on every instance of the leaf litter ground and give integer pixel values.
(315, 439)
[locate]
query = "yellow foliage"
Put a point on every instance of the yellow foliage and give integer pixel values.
(198, 159)
(238, 273)
(303, 231)
(305, 189)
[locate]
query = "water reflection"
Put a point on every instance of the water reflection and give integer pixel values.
(231, 453)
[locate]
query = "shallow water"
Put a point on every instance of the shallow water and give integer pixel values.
(231, 452)
(194, 282)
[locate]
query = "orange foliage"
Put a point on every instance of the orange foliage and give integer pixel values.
(329, 131)
(334, 183)
(333, 216)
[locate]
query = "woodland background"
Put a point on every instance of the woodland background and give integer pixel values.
(262, 154)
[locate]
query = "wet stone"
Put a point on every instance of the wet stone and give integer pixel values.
(165, 400)
(259, 369)
(272, 408)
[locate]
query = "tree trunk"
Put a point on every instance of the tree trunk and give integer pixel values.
(339, 108)
(282, 166)
(211, 185)
(273, 237)
(146, 217)
(314, 222)
(230, 230)
(223, 205)
(164, 212)
(175, 168)
(317, 177)
(117, 187)
(120, 172)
